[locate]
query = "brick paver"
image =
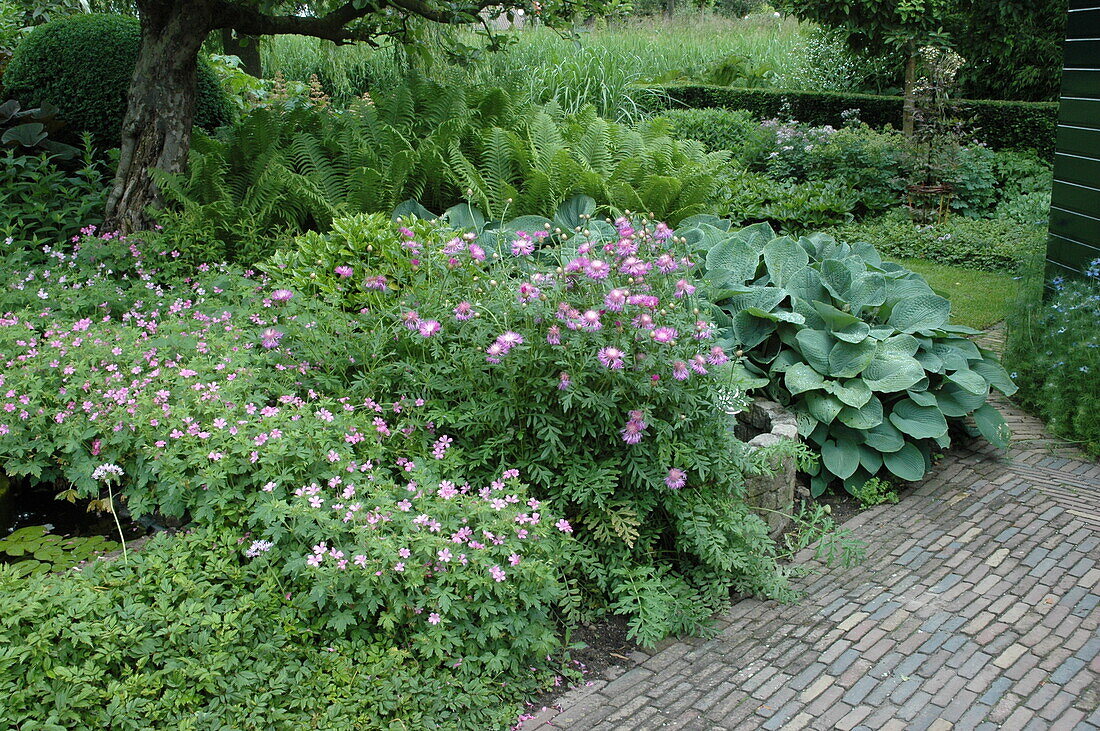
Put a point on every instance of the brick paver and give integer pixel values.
(977, 607)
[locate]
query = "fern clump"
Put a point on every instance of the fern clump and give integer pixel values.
(279, 173)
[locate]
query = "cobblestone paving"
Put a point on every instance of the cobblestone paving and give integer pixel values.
(977, 608)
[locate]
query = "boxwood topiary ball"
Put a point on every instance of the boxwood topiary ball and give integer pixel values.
(83, 65)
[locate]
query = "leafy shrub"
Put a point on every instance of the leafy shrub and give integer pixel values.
(1023, 187)
(288, 173)
(861, 350)
(190, 633)
(1054, 352)
(43, 202)
(998, 124)
(597, 384)
(82, 65)
(990, 245)
(877, 166)
(722, 129)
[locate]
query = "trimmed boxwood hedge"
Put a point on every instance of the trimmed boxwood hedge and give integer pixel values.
(1001, 124)
(83, 66)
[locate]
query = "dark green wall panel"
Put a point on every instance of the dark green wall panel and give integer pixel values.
(1076, 197)
(1079, 112)
(1084, 24)
(1082, 53)
(1075, 200)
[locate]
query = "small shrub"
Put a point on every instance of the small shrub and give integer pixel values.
(875, 492)
(1054, 353)
(722, 129)
(83, 64)
(41, 202)
(989, 245)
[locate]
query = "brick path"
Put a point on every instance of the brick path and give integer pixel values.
(977, 607)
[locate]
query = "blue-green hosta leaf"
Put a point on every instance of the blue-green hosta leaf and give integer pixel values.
(907, 463)
(815, 346)
(529, 224)
(721, 291)
(867, 253)
(840, 457)
(751, 330)
(756, 235)
(795, 318)
(881, 332)
(931, 362)
(762, 298)
(995, 373)
(870, 459)
(784, 257)
(854, 393)
(919, 422)
(867, 290)
(901, 286)
(818, 484)
(412, 208)
(837, 278)
(569, 214)
(884, 438)
(960, 330)
(464, 217)
(890, 371)
(955, 402)
(800, 378)
(823, 407)
(805, 284)
(966, 346)
(903, 344)
(970, 382)
(847, 360)
(923, 398)
(783, 361)
(817, 244)
(736, 257)
(806, 422)
(843, 325)
(953, 358)
(866, 417)
(992, 426)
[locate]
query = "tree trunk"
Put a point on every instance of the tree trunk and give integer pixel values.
(246, 48)
(156, 131)
(909, 104)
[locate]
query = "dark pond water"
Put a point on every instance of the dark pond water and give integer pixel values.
(22, 505)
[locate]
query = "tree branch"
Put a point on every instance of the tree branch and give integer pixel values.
(333, 26)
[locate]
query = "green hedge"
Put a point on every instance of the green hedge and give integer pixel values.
(1001, 124)
(83, 65)
(985, 244)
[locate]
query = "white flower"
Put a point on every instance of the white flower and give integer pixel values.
(101, 472)
(258, 547)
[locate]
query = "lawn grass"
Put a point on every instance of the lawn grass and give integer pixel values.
(978, 299)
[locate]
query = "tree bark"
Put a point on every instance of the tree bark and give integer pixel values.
(156, 131)
(909, 103)
(246, 48)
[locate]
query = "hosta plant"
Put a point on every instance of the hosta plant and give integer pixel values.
(862, 350)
